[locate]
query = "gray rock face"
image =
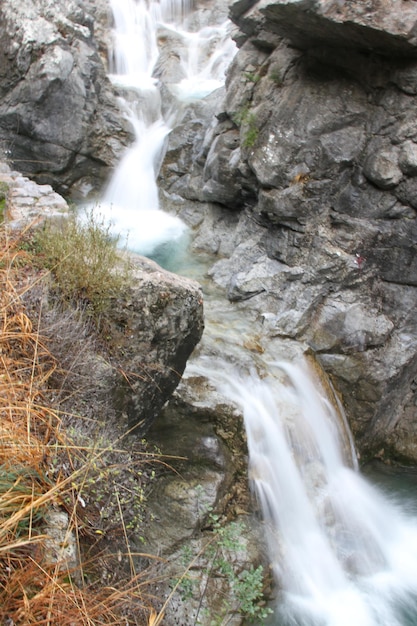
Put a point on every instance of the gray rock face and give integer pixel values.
(383, 26)
(153, 327)
(324, 245)
(59, 119)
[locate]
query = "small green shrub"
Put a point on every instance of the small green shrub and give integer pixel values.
(252, 77)
(251, 133)
(84, 260)
(276, 76)
(3, 192)
(219, 560)
(241, 115)
(246, 120)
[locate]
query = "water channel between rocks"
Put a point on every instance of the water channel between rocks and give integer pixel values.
(341, 552)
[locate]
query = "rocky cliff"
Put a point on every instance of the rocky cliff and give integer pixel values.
(313, 159)
(59, 118)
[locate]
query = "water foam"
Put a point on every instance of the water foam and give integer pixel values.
(341, 551)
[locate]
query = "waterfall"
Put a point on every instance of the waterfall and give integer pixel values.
(131, 200)
(341, 552)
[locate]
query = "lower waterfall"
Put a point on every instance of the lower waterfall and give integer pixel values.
(341, 552)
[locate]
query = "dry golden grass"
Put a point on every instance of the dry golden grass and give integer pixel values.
(34, 590)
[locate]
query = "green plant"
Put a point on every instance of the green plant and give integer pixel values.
(246, 120)
(20, 486)
(246, 585)
(251, 133)
(276, 76)
(248, 588)
(219, 559)
(3, 193)
(85, 262)
(252, 77)
(240, 116)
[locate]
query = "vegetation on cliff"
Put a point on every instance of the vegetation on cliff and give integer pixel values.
(87, 269)
(57, 534)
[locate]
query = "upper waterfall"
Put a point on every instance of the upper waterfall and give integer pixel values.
(135, 49)
(131, 200)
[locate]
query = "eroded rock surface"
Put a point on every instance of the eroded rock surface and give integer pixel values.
(59, 118)
(314, 151)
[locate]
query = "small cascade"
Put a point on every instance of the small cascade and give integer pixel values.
(204, 59)
(341, 552)
(135, 48)
(131, 200)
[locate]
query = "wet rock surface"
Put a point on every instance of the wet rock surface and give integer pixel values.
(317, 234)
(200, 499)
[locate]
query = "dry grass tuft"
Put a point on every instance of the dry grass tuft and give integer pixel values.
(40, 584)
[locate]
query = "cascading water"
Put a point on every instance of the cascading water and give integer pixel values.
(341, 552)
(131, 200)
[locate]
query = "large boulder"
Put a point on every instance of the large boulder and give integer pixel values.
(151, 329)
(154, 329)
(59, 118)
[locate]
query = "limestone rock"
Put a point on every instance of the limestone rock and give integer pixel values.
(323, 248)
(382, 169)
(223, 181)
(60, 548)
(408, 158)
(59, 118)
(28, 203)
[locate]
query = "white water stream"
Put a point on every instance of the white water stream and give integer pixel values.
(342, 553)
(131, 200)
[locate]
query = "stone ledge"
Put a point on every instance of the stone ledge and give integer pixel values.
(388, 27)
(28, 202)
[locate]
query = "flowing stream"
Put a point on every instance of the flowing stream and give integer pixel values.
(342, 553)
(131, 201)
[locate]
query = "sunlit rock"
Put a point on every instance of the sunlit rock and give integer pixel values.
(59, 118)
